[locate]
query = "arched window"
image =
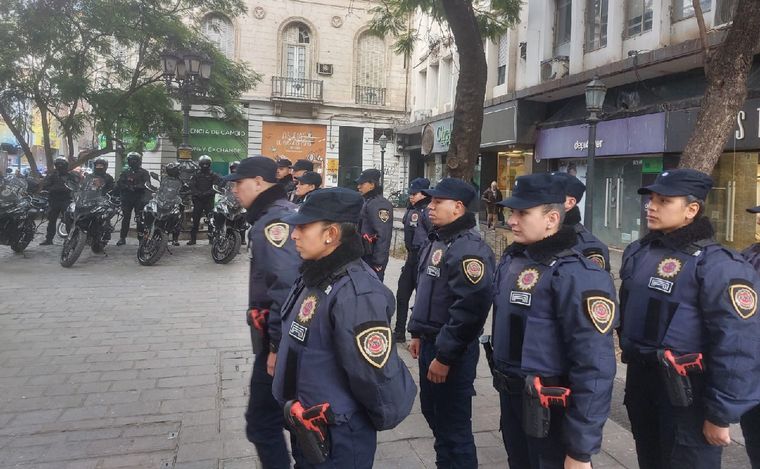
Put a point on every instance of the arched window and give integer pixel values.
(296, 51)
(370, 69)
(219, 30)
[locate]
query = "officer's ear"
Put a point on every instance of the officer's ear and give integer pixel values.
(570, 202)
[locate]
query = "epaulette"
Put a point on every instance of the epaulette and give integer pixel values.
(360, 279)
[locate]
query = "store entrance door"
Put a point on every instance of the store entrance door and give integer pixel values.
(617, 205)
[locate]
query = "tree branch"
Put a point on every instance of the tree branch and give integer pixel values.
(702, 30)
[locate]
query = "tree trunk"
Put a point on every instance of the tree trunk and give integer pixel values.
(471, 89)
(726, 71)
(20, 139)
(45, 123)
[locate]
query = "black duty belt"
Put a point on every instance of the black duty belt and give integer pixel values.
(514, 384)
(429, 337)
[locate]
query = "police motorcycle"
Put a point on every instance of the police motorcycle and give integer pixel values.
(89, 219)
(161, 217)
(226, 223)
(18, 211)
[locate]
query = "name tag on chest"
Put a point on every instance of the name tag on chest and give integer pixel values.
(660, 284)
(520, 298)
(433, 271)
(298, 332)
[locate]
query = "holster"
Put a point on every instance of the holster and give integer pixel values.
(367, 241)
(257, 322)
(677, 383)
(536, 418)
(310, 429)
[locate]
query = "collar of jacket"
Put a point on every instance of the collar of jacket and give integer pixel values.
(322, 272)
(285, 179)
(698, 230)
(572, 217)
(377, 191)
(547, 248)
(448, 232)
(264, 200)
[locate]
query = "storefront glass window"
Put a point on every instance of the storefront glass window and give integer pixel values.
(735, 190)
(511, 165)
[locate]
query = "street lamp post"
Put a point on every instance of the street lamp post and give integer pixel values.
(595, 92)
(187, 74)
(382, 141)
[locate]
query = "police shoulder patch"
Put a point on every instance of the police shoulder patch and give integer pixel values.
(601, 311)
(374, 341)
(384, 215)
(597, 258)
(474, 269)
(277, 233)
(743, 298)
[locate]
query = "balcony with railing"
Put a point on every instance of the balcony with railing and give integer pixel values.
(370, 95)
(296, 89)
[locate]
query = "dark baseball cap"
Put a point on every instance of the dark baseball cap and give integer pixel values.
(369, 175)
(454, 189)
(284, 163)
(335, 204)
(754, 209)
(303, 165)
(310, 177)
(418, 184)
(680, 182)
(533, 190)
(253, 167)
(573, 186)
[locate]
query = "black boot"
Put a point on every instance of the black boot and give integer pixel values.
(121, 242)
(192, 240)
(47, 242)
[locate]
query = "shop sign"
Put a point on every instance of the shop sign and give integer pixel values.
(222, 141)
(295, 142)
(746, 134)
(436, 137)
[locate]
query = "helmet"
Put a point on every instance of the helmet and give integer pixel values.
(204, 162)
(134, 160)
(233, 166)
(61, 164)
(172, 169)
(100, 163)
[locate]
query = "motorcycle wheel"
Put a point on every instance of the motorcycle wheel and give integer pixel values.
(27, 234)
(63, 232)
(151, 250)
(97, 247)
(224, 249)
(73, 247)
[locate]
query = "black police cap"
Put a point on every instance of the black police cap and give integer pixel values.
(754, 209)
(284, 163)
(335, 204)
(418, 184)
(369, 175)
(573, 186)
(310, 177)
(680, 182)
(533, 190)
(253, 167)
(303, 165)
(454, 189)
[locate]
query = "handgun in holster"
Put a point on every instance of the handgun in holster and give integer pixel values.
(537, 400)
(675, 371)
(485, 341)
(257, 320)
(310, 429)
(367, 241)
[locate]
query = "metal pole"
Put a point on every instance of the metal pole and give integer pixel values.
(588, 216)
(186, 115)
(382, 166)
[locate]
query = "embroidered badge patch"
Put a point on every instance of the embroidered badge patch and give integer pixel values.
(308, 308)
(277, 233)
(474, 269)
(601, 310)
(669, 267)
(744, 299)
(597, 258)
(527, 279)
(384, 215)
(435, 259)
(374, 344)
(415, 216)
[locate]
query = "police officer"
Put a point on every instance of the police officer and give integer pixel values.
(554, 312)
(588, 244)
(416, 228)
(686, 299)
(307, 183)
(233, 166)
(131, 188)
(274, 269)
(233, 169)
(376, 222)
(173, 171)
(297, 170)
(452, 302)
(337, 359)
(100, 166)
(283, 174)
(59, 195)
(202, 190)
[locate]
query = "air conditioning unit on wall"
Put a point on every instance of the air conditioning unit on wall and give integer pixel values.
(555, 68)
(325, 69)
(422, 114)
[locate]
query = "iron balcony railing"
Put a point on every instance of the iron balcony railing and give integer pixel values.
(370, 95)
(298, 89)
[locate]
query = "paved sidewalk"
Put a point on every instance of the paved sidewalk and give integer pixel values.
(113, 365)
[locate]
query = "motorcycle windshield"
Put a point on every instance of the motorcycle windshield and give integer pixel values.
(12, 189)
(90, 192)
(168, 194)
(229, 198)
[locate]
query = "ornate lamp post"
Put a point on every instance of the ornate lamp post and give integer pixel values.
(187, 75)
(595, 92)
(382, 141)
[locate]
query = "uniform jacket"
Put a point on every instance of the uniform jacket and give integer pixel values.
(752, 254)
(131, 183)
(376, 228)
(454, 283)
(416, 226)
(107, 182)
(338, 346)
(274, 259)
(554, 313)
(685, 292)
(55, 184)
(202, 184)
(588, 244)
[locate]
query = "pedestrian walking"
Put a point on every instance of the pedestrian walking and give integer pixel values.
(492, 196)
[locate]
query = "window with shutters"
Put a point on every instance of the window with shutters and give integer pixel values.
(296, 42)
(370, 69)
(639, 16)
(220, 32)
(596, 24)
(501, 70)
(683, 9)
(563, 22)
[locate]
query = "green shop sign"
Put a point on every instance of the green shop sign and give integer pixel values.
(221, 141)
(150, 145)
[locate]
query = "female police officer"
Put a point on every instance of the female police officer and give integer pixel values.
(554, 311)
(338, 373)
(689, 330)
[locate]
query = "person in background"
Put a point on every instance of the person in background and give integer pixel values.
(297, 170)
(284, 176)
(307, 183)
(59, 196)
(131, 189)
(491, 197)
(376, 222)
(750, 421)
(202, 190)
